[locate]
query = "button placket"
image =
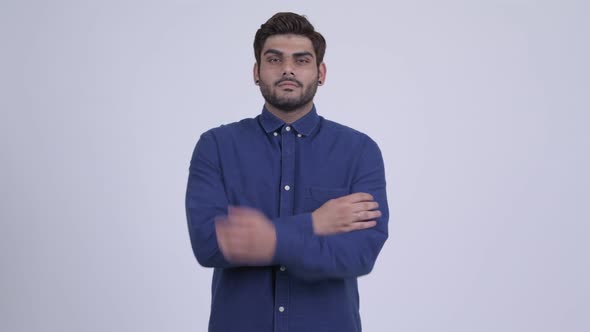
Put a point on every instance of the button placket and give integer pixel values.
(287, 200)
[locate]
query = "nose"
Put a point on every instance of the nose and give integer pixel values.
(288, 68)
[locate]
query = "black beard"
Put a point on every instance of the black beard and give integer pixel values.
(288, 104)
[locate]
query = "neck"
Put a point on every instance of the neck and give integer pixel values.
(291, 116)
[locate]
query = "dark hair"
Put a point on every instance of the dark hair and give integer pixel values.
(289, 23)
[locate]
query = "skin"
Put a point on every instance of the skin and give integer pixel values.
(288, 70)
(288, 76)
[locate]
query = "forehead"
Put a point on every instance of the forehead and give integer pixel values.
(288, 44)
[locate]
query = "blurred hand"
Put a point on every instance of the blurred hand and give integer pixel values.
(246, 236)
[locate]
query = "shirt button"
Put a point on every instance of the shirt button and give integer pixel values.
(281, 309)
(275, 133)
(282, 268)
(287, 188)
(298, 135)
(287, 128)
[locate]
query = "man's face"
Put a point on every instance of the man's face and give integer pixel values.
(288, 73)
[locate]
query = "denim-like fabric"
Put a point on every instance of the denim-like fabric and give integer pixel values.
(286, 171)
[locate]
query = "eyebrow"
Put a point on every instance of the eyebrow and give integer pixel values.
(296, 54)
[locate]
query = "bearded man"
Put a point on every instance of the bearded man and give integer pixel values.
(288, 208)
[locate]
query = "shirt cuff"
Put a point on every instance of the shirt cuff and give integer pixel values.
(292, 232)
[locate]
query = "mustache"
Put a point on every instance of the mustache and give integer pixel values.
(289, 80)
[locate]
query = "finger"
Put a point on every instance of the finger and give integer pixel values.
(231, 241)
(364, 206)
(238, 218)
(360, 225)
(229, 224)
(366, 215)
(227, 232)
(365, 224)
(358, 197)
(238, 221)
(243, 216)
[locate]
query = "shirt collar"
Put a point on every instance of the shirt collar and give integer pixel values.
(304, 126)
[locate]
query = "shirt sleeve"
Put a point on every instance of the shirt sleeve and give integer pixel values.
(343, 255)
(205, 200)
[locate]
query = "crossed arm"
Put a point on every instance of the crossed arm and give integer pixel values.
(246, 236)
(340, 239)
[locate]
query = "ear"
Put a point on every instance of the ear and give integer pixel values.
(255, 72)
(322, 73)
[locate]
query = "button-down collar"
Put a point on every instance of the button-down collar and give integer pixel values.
(304, 126)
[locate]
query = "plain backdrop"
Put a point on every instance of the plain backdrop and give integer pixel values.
(481, 109)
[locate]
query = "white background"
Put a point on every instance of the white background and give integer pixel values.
(481, 110)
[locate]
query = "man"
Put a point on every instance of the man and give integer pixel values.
(288, 207)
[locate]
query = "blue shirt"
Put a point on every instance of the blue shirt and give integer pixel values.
(286, 171)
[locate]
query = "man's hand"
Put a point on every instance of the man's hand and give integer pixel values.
(246, 236)
(344, 214)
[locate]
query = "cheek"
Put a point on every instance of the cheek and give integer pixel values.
(310, 75)
(268, 77)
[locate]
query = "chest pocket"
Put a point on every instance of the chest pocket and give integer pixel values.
(315, 197)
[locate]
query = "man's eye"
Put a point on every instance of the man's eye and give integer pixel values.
(274, 60)
(302, 61)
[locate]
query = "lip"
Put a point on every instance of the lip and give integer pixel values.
(288, 84)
